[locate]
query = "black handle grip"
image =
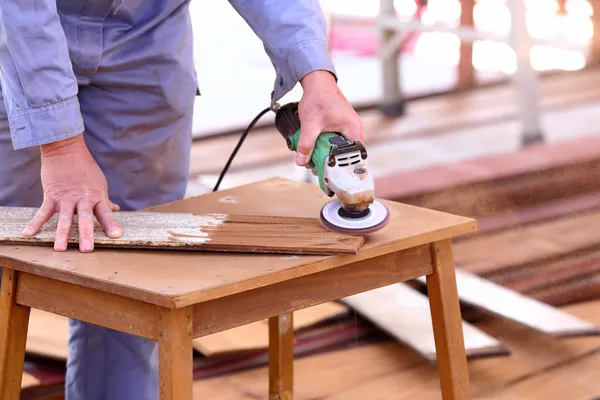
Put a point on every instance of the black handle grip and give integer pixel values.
(287, 120)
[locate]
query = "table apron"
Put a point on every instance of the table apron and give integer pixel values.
(90, 305)
(309, 290)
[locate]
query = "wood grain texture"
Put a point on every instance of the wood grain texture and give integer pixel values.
(89, 305)
(281, 357)
(179, 278)
(306, 291)
(14, 321)
(506, 303)
(492, 254)
(186, 231)
(405, 314)
(390, 370)
(447, 324)
(175, 355)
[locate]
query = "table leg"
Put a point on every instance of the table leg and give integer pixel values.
(14, 321)
(175, 355)
(281, 357)
(447, 324)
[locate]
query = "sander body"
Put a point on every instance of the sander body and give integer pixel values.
(342, 170)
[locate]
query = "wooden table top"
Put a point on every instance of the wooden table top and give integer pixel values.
(178, 278)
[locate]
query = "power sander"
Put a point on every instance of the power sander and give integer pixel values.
(342, 170)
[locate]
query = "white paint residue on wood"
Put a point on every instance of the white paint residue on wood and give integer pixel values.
(137, 226)
(504, 302)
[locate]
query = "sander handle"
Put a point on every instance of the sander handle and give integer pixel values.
(326, 146)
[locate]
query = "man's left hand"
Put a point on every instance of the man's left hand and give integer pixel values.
(323, 108)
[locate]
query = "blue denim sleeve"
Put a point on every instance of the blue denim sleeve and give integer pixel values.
(294, 34)
(36, 75)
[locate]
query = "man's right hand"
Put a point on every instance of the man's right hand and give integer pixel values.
(73, 184)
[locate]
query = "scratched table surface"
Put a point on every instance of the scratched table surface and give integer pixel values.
(180, 278)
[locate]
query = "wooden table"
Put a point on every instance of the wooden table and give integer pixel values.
(175, 296)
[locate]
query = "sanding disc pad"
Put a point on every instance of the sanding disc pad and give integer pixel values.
(334, 218)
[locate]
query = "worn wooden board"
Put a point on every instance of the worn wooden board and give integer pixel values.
(492, 254)
(506, 303)
(405, 314)
(207, 232)
(255, 336)
(504, 182)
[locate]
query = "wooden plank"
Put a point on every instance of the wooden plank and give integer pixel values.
(506, 303)
(255, 336)
(551, 274)
(542, 212)
(28, 381)
(500, 182)
(177, 279)
(577, 379)
(569, 292)
(404, 314)
(542, 242)
(48, 335)
(186, 231)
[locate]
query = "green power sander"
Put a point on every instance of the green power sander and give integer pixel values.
(342, 170)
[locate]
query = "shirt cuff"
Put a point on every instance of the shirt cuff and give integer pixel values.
(307, 56)
(43, 125)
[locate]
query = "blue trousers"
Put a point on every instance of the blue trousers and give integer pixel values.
(138, 122)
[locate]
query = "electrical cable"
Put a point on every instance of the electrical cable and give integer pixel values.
(242, 138)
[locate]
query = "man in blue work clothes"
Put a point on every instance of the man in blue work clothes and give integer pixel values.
(97, 103)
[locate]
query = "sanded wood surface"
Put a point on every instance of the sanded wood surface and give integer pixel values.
(255, 336)
(176, 279)
(507, 303)
(405, 314)
(186, 231)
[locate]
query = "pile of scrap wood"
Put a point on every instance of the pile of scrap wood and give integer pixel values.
(536, 248)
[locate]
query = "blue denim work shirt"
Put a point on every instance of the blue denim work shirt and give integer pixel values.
(49, 47)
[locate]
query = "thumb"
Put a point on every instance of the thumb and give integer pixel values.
(308, 136)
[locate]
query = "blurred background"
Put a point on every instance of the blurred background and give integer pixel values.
(484, 108)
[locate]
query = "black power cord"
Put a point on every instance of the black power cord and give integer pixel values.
(242, 138)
